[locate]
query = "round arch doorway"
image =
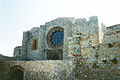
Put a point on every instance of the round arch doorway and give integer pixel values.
(16, 73)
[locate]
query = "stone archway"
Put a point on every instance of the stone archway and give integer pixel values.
(55, 37)
(16, 73)
(55, 40)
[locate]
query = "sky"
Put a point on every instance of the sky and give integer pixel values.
(17, 16)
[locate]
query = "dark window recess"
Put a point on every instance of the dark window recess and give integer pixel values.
(105, 61)
(110, 45)
(34, 44)
(114, 61)
(54, 55)
(16, 73)
(20, 52)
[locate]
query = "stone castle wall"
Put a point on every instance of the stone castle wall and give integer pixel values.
(88, 29)
(77, 69)
(89, 52)
(17, 51)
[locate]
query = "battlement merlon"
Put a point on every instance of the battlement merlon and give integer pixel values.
(72, 21)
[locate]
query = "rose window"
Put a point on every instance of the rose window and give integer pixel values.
(56, 37)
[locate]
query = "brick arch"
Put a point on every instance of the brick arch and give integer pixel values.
(16, 73)
(16, 67)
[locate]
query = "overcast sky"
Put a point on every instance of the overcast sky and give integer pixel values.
(17, 16)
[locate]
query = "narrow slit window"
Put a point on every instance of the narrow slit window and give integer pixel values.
(34, 44)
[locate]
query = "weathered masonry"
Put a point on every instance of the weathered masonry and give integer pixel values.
(67, 49)
(55, 39)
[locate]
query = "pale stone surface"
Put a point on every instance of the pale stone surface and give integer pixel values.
(89, 52)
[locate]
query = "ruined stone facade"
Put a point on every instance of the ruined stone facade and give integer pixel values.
(73, 36)
(69, 49)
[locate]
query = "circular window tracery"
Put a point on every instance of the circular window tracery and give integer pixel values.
(56, 37)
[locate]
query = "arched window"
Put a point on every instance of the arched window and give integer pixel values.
(55, 40)
(34, 44)
(56, 37)
(16, 73)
